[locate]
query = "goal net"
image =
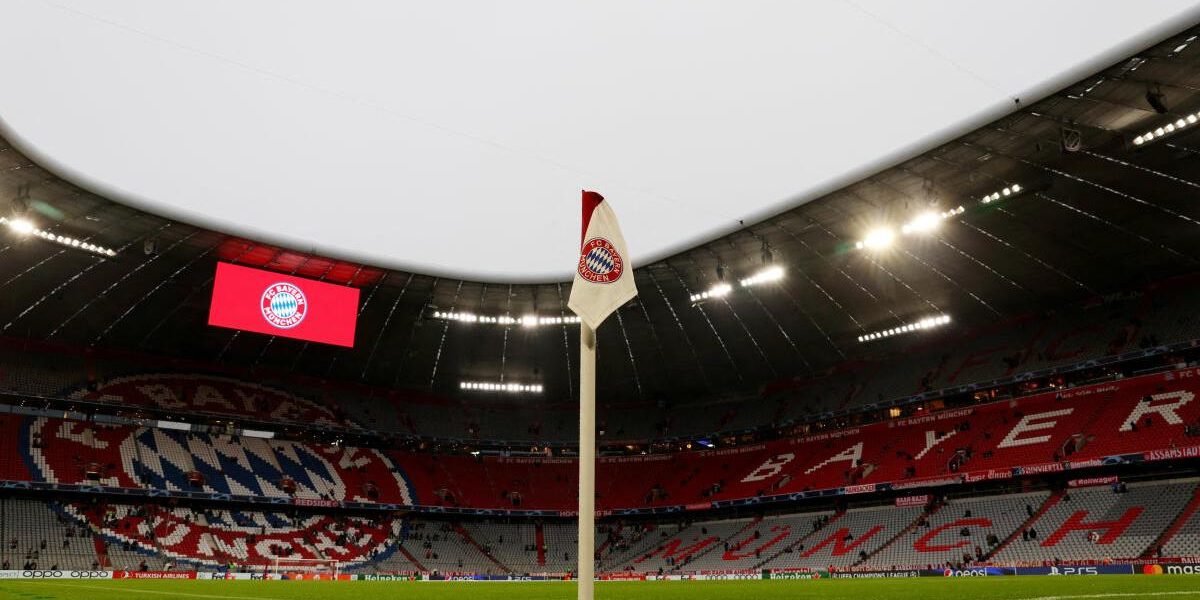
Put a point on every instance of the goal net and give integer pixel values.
(312, 567)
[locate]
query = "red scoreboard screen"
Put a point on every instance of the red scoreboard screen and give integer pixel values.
(274, 304)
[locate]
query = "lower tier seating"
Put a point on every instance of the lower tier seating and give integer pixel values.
(1080, 524)
(1098, 523)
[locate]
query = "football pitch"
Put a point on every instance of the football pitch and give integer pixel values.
(1026, 588)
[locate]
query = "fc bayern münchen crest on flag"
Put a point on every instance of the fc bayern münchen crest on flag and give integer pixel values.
(600, 285)
(600, 261)
(284, 305)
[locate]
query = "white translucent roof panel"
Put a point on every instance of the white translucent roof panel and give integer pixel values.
(453, 137)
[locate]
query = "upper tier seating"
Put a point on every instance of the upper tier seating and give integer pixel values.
(1147, 414)
(1161, 314)
(80, 452)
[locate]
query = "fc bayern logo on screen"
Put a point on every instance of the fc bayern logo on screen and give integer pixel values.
(599, 262)
(284, 305)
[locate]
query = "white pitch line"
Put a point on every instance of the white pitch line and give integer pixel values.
(155, 592)
(1117, 595)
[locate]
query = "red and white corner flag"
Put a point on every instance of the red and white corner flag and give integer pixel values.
(603, 275)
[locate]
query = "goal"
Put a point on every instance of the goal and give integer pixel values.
(316, 567)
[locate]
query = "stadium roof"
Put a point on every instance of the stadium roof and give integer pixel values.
(407, 136)
(1095, 212)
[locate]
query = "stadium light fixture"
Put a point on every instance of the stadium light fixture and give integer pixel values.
(716, 291)
(923, 324)
(21, 226)
(926, 222)
(24, 227)
(1003, 193)
(767, 275)
(923, 223)
(1165, 130)
(524, 321)
(1183, 46)
(877, 239)
(930, 220)
(511, 388)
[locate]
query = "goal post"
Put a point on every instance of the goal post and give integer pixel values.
(308, 566)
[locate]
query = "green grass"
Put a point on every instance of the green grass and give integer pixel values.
(1043, 588)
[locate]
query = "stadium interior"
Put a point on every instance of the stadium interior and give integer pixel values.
(1004, 375)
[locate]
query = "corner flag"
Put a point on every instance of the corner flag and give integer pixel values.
(603, 275)
(603, 282)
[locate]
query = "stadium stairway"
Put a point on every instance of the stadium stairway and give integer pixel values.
(101, 552)
(466, 535)
(735, 535)
(720, 544)
(412, 559)
(1185, 515)
(689, 543)
(115, 554)
(803, 541)
(900, 534)
(1047, 504)
(540, 536)
(638, 548)
(219, 554)
(692, 557)
(608, 539)
(1085, 431)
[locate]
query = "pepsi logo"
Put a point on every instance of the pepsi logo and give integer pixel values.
(284, 305)
(599, 261)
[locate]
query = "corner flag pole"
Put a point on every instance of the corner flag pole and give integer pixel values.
(603, 283)
(587, 461)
